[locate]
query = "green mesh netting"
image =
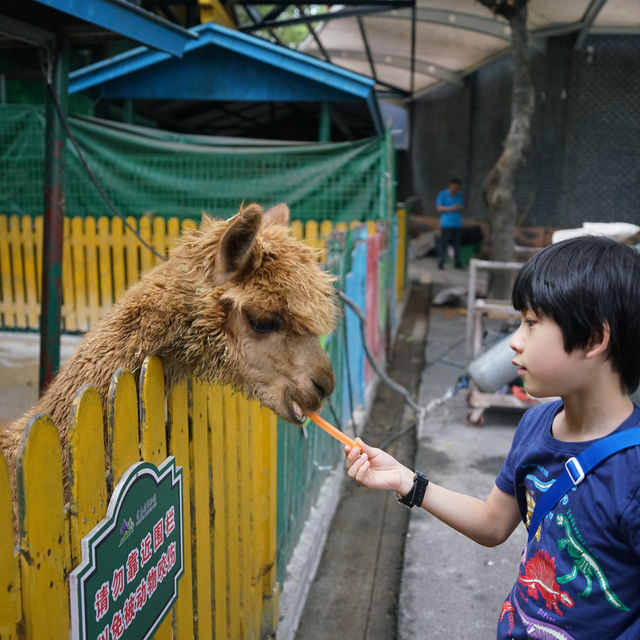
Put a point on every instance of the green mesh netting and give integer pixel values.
(146, 170)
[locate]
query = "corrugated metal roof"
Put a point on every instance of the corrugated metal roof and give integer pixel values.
(227, 65)
(452, 37)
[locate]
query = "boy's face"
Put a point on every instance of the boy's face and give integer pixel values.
(543, 364)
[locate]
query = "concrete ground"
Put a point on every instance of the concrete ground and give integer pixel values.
(19, 370)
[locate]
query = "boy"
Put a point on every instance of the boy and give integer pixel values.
(579, 339)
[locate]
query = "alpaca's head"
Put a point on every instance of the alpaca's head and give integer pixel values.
(262, 300)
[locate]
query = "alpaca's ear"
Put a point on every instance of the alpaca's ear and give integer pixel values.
(277, 215)
(236, 247)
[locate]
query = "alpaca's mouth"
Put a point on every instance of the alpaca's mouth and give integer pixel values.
(297, 412)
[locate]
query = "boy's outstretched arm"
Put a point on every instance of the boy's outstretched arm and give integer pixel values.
(488, 522)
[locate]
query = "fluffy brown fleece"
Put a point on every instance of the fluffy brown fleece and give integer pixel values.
(239, 301)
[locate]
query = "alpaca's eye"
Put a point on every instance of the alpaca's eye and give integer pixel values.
(264, 325)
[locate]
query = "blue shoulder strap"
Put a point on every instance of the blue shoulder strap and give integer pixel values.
(578, 467)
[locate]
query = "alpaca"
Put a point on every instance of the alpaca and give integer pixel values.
(239, 302)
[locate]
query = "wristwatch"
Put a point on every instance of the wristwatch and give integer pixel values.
(416, 495)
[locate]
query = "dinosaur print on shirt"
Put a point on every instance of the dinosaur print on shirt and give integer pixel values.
(585, 564)
(540, 579)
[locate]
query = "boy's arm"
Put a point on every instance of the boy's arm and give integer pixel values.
(488, 522)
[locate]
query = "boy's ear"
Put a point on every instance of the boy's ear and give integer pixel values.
(599, 343)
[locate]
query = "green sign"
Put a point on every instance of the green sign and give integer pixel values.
(132, 560)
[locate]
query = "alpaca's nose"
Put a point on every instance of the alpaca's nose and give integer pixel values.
(324, 383)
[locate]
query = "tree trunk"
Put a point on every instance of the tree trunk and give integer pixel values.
(499, 184)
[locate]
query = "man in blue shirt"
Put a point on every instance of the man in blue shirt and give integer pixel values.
(450, 204)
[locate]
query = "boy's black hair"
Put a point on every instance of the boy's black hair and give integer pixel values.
(581, 284)
(455, 181)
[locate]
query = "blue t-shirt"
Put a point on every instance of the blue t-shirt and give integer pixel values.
(450, 218)
(579, 578)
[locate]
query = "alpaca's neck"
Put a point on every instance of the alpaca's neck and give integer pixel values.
(153, 318)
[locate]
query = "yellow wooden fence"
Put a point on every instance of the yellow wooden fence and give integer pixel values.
(226, 446)
(100, 260)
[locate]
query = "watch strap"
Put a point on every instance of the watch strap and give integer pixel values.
(416, 495)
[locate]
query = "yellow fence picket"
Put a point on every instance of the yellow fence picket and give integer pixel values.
(326, 227)
(173, 232)
(118, 260)
(79, 274)
(38, 231)
(105, 267)
(159, 239)
(243, 478)
(188, 225)
(153, 437)
(200, 499)
(219, 534)
(93, 270)
(44, 546)
(146, 257)
(17, 268)
(232, 496)
(266, 486)
(311, 237)
(258, 535)
(9, 574)
(297, 229)
(178, 415)
(6, 288)
(32, 300)
(131, 244)
(152, 427)
(68, 285)
(85, 439)
(122, 425)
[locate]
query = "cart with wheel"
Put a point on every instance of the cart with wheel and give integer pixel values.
(485, 395)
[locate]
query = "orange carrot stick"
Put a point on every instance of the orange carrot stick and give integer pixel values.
(332, 431)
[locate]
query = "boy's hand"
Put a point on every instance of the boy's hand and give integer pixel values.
(375, 469)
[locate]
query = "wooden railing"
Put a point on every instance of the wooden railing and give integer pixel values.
(226, 446)
(100, 260)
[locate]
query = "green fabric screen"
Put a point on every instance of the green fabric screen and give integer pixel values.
(150, 171)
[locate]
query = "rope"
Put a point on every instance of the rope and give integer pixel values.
(420, 412)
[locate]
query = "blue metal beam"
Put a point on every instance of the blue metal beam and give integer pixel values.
(129, 20)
